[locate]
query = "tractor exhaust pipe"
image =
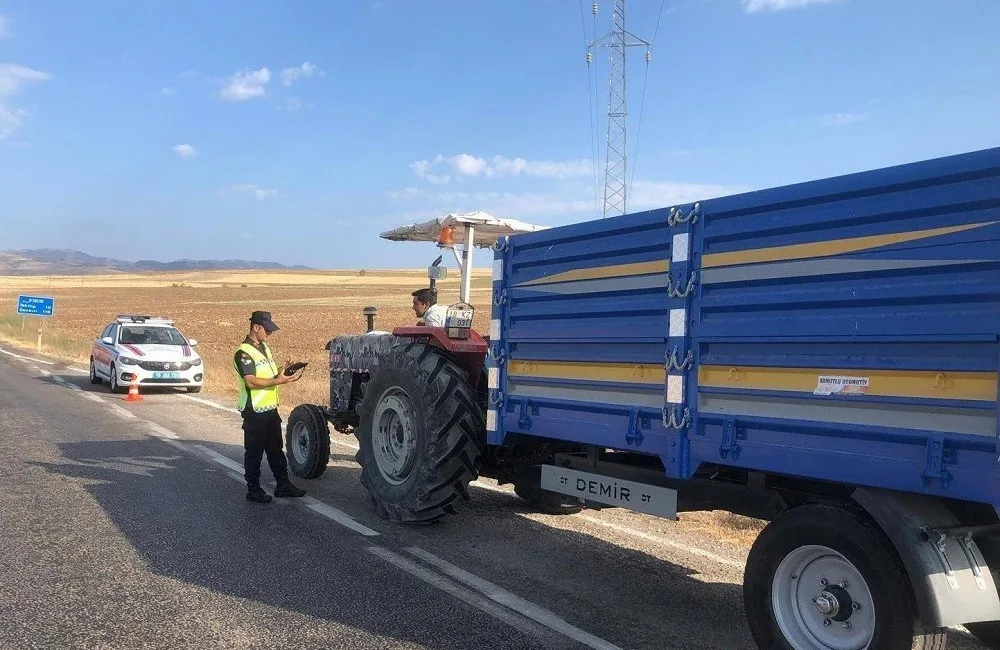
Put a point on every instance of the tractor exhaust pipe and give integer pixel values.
(370, 313)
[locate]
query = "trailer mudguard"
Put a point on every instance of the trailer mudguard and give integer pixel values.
(951, 581)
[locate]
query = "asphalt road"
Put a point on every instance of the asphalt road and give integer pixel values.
(125, 525)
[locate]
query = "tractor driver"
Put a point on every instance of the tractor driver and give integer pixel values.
(426, 308)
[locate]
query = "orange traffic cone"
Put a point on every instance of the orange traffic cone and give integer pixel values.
(133, 391)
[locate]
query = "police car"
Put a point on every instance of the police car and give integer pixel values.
(148, 349)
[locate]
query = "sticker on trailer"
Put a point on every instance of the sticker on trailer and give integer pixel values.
(834, 385)
(650, 499)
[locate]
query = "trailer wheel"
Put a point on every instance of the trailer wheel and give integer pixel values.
(988, 632)
(822, 577)
(419, 435)
(307, 441)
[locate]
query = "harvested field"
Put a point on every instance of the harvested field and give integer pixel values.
(214, 307)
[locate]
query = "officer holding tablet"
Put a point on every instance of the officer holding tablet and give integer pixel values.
(260, 377)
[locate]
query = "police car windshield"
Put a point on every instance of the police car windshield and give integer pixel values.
(133, 335)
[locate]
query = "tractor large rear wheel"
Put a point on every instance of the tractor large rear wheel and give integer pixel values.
(420, 433)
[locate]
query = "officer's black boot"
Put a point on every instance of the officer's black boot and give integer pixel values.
(256, 493)
(286, 489)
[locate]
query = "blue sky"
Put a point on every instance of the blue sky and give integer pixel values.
(297, 131)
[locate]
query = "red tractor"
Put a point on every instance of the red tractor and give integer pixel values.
(416, 399)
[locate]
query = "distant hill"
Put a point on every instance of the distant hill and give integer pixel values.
(51, 261)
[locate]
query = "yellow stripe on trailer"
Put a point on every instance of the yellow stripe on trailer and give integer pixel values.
(603, 272)
(925, 384)
(634, 373)
(829, 247)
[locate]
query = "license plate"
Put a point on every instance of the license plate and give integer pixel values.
(458, 318)
(166, 375)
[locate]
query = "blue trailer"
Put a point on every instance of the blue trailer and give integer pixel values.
(823, 356)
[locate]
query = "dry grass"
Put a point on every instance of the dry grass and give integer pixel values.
(214, 308)
(727, 527)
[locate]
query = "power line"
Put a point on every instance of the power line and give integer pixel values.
(590, 100)
(642, 102)
(616, 159)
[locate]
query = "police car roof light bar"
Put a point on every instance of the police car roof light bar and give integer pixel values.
(130, 318)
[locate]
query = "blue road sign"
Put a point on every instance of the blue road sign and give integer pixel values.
(35, 305)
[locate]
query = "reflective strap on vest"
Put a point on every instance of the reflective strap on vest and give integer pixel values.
(261, 399)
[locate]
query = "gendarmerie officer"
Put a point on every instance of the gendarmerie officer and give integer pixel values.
(259, 378)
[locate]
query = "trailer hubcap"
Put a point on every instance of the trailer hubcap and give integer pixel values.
(822, 602)
(394, 436)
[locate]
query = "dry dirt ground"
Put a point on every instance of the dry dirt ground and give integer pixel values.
(214, 308)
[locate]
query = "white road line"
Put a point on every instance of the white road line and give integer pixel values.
(177, 445)
(514, 602)
(458, 591)
(693, 550)
(327, 511)
(91, 397)
(59, 379)
(122, 412)
(18, 356)
(45, 372)
(338, 516)
(493, 488)
(228, 409)
(220, 459)
(162, 432)
(340, 443)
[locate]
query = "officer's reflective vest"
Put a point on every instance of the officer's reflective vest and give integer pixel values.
(262, 399)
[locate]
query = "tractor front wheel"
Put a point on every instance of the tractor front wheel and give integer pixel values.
(307, 441)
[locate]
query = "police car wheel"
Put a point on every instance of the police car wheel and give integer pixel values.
(113, 384)
(94, 379)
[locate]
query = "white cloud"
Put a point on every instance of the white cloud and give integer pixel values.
(12, 79)
(648, 195)
(168, 91)
(246, 85)
(291, 75)
(259, 194)
(184, 150)
(576, 202)
(422, 169)
(465, 164)
(844, 119)
(5, 27)
(291, 105)
(757, 6)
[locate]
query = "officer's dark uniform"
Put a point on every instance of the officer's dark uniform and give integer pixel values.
(262, 430)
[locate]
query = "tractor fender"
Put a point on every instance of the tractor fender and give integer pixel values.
(950, 579)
